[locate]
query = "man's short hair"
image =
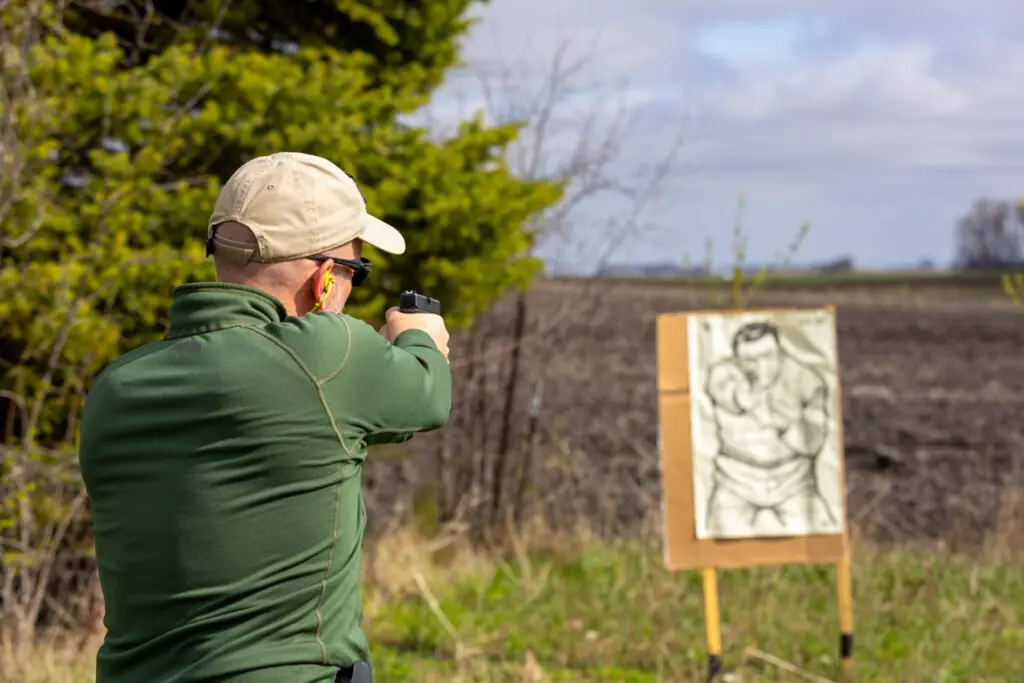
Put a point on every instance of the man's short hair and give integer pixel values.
(752, 332)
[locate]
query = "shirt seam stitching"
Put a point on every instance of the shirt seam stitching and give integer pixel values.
(337, 494)
(344, 362)
(344, 359)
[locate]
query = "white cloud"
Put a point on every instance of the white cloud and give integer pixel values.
(899, 80)
(880, 122)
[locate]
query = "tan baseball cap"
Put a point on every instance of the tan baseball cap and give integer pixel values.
(297, 205)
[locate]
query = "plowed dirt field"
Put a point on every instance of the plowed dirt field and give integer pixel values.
(933, 388)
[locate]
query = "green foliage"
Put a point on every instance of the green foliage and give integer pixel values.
(150, 145)
(410, 43)
(114, 149)
(1013, 283)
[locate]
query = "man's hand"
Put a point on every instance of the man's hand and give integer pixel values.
(398, 322)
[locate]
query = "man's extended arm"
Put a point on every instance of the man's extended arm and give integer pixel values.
(391, 391)
(807, 435)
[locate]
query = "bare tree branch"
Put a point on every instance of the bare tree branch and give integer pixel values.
(582, 133)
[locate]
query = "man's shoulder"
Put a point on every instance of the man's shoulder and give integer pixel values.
(125, 365)
(313, 324)
(320, 341)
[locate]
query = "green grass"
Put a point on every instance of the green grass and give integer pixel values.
(616, 615)
(604, 613)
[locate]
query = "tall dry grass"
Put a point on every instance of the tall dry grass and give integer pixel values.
(551, 606)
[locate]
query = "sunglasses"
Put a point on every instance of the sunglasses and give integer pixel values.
(360, 269)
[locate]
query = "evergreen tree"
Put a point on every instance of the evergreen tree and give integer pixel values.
(117, 128)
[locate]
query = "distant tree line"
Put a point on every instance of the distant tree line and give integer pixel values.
(988, 237)
(840, 264)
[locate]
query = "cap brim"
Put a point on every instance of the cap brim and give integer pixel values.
(381, 235)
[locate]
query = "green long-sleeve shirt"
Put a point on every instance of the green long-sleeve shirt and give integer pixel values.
(223, 469)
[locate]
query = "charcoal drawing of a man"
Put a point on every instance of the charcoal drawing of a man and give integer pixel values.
(771, 417)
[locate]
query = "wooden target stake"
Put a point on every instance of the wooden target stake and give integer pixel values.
(844, 600)
(712, 622)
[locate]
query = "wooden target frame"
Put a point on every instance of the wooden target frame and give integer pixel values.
(682, 549)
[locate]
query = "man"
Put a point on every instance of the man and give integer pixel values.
(223, 462)
(771, 418)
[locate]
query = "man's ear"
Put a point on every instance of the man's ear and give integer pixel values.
(320, 280)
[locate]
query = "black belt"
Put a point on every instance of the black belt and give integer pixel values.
(359, 672)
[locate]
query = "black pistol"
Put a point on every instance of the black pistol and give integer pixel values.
(413, 302)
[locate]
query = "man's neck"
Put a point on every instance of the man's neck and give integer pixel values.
(287, 299)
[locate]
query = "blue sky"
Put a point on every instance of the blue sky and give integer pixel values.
(877, 122)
